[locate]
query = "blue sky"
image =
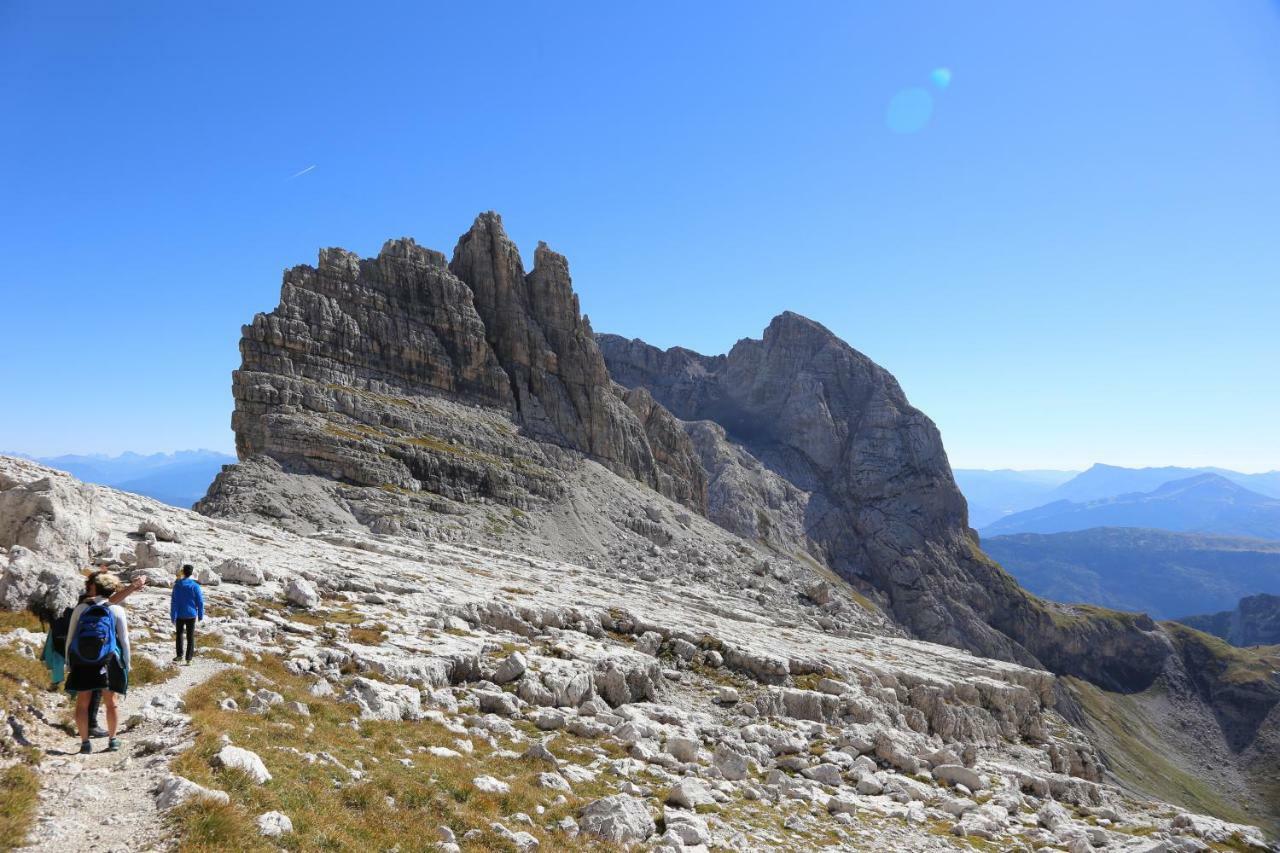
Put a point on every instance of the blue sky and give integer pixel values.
(1075, 258)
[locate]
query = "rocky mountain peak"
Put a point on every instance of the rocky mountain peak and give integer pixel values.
(407, 249)
(341, 380)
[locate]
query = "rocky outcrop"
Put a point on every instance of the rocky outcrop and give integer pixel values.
(361, 372)
(878, 504)
(1255, 621)
(879, 500)
(747, 498)
(50, 527)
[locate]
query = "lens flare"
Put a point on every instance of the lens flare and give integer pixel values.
(941, 77)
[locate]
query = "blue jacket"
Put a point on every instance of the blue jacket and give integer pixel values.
(187, 601)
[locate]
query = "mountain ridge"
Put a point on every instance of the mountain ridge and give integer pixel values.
(1163, 573)
(1203, 503)
(469, 401)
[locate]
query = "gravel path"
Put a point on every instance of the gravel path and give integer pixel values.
(105, 801)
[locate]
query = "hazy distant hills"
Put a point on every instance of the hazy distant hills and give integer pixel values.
(1159, 572)
(1104, 481)
(994, 494)
(1204, 503)
(179, 479)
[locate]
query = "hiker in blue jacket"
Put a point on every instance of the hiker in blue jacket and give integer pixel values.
(98, 654)
(186, 606)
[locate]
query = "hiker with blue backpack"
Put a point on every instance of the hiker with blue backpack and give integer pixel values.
(55, 643)
(98, 656)
(186, 606)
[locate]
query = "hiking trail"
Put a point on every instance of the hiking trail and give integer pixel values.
(106, 801)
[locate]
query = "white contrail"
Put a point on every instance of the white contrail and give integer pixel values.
(303, 172)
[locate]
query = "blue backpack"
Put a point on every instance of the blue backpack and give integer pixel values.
(95, 637)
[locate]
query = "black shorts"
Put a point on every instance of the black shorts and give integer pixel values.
(108, 676)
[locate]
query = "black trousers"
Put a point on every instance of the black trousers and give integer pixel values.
(187, 626)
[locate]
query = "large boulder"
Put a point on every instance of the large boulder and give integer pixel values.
(619, 819)
(177, 790)
(165, 556)
(30, 582)
(246, 761)
(55, 516)
(379, 701)
(161, 529)
(237, 570)
(300, 593)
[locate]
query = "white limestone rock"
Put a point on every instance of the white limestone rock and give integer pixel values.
(490, 785)
(176, 790)
(510, 669)
(163, 530)
(274, 824)
(301, 593)
(379, 701)
(244, 760)
(241, 571)
(690, 793)
(620, 819)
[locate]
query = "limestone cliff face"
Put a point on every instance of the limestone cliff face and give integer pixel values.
(871, 493)
(882, 505)
(358, 373)
(879, 501)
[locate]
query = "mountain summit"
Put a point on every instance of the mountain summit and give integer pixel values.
(468, 400)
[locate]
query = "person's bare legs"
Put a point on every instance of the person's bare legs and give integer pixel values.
(82, 713)
(109, 699)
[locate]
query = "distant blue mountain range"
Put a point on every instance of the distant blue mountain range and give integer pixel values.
(994, 494)
(179, 479)
(1204, 503)
(1166, 541)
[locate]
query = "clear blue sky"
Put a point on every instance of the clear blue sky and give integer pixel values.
(1076, 258)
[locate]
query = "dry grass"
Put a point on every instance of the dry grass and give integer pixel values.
(20, 676)
(326, 618)
(374, 636)
(329, 810)
(19, 795)
(11, 620)
(143, 670)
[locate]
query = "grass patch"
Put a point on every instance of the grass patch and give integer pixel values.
(20, 676)
(389, 804)
(19, 795)
(1234, 665)
(11, 620)
(324, 618)
(143, 670)
(211, 826)
(375, 636)
(1139, 752)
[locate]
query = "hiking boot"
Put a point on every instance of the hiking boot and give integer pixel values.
(177, 659)
(113, 745)
(85, 747)
(97, 731)
(188, 662)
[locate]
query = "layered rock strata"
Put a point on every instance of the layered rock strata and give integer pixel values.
(343, 378)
